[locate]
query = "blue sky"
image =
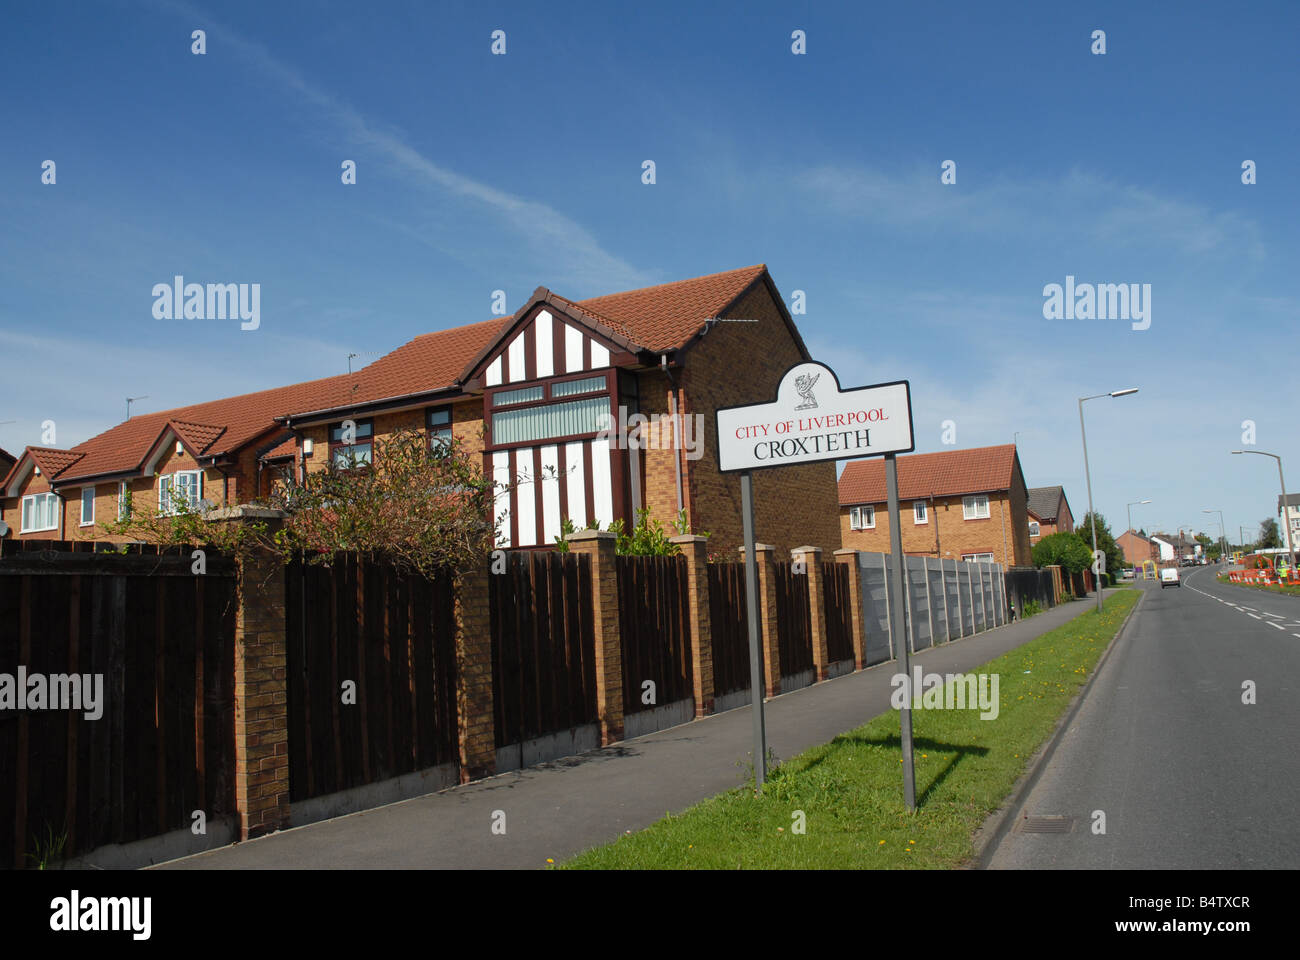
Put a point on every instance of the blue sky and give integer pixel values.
(478, 172)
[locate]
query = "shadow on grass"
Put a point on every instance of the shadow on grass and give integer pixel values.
(895, 742)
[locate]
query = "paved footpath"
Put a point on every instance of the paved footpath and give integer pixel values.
(561, 808)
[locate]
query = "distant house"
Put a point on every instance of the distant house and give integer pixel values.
(962, 504)
(1139, 549)
(1049, 512)
(1291, 518)
(1175, 546)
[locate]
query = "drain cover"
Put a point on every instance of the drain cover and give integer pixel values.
(1045, 825)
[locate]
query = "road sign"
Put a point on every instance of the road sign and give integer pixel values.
(813, 420)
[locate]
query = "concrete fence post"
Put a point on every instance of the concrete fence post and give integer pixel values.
(475, 704)
(811, 558)
(849, 558)
(599, 546)
(695, 549)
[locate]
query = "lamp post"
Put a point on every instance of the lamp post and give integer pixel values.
(1092, 513)
(1223, 536)
(1290, 553)
(1130, 511)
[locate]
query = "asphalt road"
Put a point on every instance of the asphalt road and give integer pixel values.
(1187, 775)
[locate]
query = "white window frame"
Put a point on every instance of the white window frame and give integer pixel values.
(978, 558)
(84, 521)
(1034, 529)
(970, 507)
(920, 513)
(167, 484)
(33, 498)
(857, 513)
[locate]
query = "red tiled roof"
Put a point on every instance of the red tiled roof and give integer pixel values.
(53, 462)
(664, 317)
(945, 474)
(288, 448)
(239, 420)
(197, 436)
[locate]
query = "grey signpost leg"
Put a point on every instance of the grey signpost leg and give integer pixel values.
(755, 654)
(898, 629)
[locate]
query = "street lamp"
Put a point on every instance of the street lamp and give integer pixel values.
(1130, 511)
(1223, 535)
(1092, 513)
(1290, 553)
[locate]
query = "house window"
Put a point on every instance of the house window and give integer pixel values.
(503, 398)
(975, 508)
(40, 512)
(918, 512)
(351, 444)
(1033, 528)
(978, 557)
(529, 424)
(123, 508)
(440, 428)
(87, 506)
(570, 388)
(184, 487)
(862, 518)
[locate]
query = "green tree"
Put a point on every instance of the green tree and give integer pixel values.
(1268, 535)
(1068, 550)
(1105, 541)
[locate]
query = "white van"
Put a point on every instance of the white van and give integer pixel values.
(1169, 577)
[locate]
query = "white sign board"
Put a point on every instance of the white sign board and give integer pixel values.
(812, 419)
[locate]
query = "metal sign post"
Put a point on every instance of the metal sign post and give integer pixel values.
(898, 628)
(751, 609)
(813, 420)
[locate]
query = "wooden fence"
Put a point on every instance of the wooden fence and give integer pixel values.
(654, 622)
(837, 600)
(729, 627)
(389, 634)
(543, 646)
(160, 637)
(793, 621)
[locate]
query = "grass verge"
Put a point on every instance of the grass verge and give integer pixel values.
(1290, 589)
(849, 791)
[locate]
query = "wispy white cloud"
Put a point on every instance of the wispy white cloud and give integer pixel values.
(562, 243)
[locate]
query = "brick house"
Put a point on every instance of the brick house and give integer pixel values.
(546, 396)
(967, 504)
(1137, 549)
(217, 451)
(1049, 512)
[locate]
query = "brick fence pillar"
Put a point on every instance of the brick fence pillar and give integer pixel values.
(764, 556)
(849, 558)
(261, 699)
(599, 546)
(695, 549)
(475, 706)
(811, 558)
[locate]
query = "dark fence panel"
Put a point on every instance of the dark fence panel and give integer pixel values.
(161, 637)
(543, 645)
(654, 612)
(1029, 583)
(392, 635)
(730, 628)
(837, 611)
(793, 620)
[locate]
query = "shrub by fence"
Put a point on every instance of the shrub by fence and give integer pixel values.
(162, 639)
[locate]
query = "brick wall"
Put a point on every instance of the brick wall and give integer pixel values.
(738, 363)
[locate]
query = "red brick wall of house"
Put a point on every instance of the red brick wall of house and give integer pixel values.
(957, 536)
(738, 363)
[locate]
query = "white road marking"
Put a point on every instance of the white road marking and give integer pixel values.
(1254, 617)
(1272, 624)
